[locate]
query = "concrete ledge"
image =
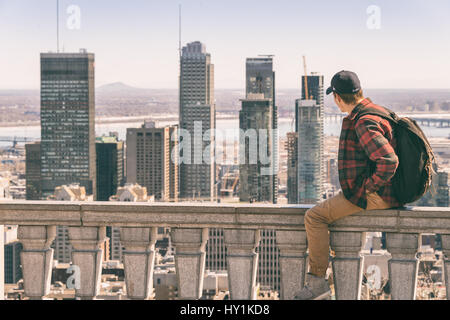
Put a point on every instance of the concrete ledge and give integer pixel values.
(211, 215)
(31, 213)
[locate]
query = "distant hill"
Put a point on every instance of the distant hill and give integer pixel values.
(119, 88)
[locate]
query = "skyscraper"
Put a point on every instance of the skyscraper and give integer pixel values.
(292, 167)
(260, 85)
(67, 121)
(197, 111)
(307, 182)
(260, 79)
(256, 174)
(13, 270)
(33, 171)
(310, 151)
(149, 160)
(110, 166)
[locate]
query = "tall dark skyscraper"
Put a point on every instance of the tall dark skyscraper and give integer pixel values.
(110, 166)
(260, 79)
(67, 121)
(197, 108)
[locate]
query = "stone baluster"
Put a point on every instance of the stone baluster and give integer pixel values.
(139, 260)
(403, 265)
(36, 258)
(190, 259)
(347, 264)
(87, 255)
(292, 245)
(242, 262)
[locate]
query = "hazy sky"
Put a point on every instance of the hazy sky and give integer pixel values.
(136, 41)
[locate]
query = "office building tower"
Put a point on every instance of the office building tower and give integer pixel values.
(67, 121)
(216, 252)
(150, 162)
(256, 168)
(13, 269)
(442, 197)
(4, 194)
(310, 179)
(197, 115)
(312, 90)
(33, 171)
(260, 79)
(292, 167)
(110, 166)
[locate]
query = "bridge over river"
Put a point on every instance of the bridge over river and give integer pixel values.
(425, 121)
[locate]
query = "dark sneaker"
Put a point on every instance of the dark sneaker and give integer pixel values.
(316, 288)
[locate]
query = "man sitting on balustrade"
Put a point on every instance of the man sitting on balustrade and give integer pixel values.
(366, 162)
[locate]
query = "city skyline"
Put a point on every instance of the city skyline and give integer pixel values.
(146, 35)
(193, 168)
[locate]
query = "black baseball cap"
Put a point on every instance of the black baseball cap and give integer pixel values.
(344, 82)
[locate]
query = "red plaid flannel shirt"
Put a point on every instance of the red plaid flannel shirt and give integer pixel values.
(367, 160)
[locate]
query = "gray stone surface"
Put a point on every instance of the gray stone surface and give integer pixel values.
(191, 219)
(36, 258)
(347, 264)
(30, 213)
(139, 260)
(292, 245)
(242, 262)
(190, 259)
(87, 254)
(403, 265)
(211, 215)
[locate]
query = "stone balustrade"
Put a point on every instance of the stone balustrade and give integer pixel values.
(189, 223)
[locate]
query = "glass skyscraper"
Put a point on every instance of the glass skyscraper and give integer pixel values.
(260, 79)
(310, 151)
(309, 125)
(197, 107)
(67, 121)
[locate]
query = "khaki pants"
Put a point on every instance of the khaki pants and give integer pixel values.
(320, 216)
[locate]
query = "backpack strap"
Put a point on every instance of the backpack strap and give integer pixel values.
(391, 116)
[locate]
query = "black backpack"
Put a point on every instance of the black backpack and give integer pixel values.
(414, 173)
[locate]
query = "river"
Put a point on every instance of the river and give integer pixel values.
(228, 127)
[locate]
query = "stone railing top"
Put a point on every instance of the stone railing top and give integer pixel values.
(214, 215)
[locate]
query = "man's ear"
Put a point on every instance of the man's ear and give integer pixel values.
(336, 97)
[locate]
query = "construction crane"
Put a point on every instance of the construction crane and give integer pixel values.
(306, 79)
